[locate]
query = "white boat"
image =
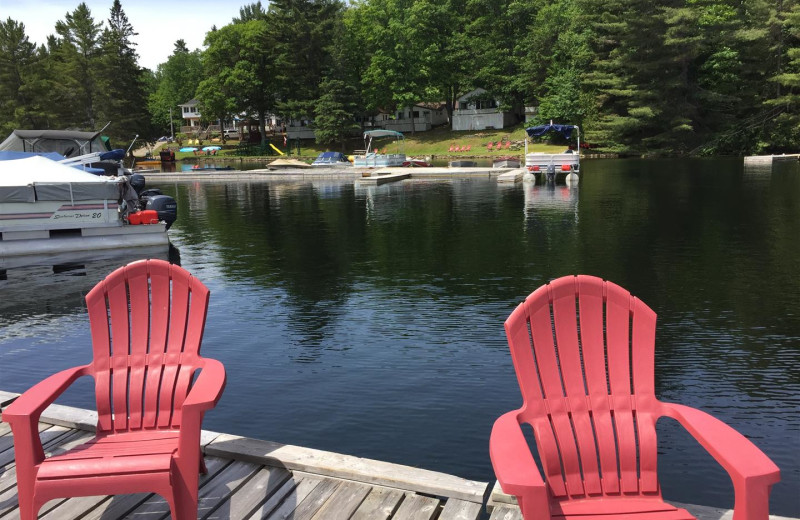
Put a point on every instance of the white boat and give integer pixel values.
(48, 207)
(371, 158)
(551, 164)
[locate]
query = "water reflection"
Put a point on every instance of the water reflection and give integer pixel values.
(378, 311)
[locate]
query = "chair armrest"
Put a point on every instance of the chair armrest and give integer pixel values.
(23, 414)
(515, 468)
(208, 388)
(752, 472)
(33, 402)
(203, 396)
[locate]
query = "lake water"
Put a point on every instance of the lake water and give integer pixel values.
(369, 321)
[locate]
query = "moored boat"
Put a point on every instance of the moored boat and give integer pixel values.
(331, 159)
(551, 164)
(49, 207)
(372, 158)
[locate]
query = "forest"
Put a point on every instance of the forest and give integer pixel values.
(677, 77)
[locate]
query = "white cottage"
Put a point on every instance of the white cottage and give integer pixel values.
(474, 112)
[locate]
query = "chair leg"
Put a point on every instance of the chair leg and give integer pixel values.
(203, 468)
(182, 504)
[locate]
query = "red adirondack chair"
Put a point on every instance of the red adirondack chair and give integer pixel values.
(149, 412)
(490, 146)
(595, 429)
(508, 145)
(452, 148)
(468, 148)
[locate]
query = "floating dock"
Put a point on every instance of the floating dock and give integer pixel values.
(256, 479)
(512, 176)
(383, 178)
(765, 160)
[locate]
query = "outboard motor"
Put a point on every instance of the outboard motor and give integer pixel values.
(551, 173)
(166, 207)
(137, 183)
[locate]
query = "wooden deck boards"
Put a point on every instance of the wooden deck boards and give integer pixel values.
(262, 481)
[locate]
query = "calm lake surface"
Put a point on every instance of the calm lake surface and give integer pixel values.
(369, 321)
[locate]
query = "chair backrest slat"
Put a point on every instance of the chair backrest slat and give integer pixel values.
(145, 319)
(585, 364)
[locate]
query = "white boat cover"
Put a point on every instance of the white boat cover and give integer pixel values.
(37, 178)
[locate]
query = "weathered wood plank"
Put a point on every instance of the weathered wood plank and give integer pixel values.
(499, 498)
(460, 510)
(5, 428)
(70, 417)
(506, 513)
(285, 501)
(262, 486)
(380, 504)
(7, 440)
(51, 434)
(347, 467)
(223, 485)
(157, 507)
(117, 506)
(308, 507)
(417, 507)
(344, 501)
(7, 398)
(73, 508)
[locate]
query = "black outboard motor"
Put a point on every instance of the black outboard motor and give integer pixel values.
(551, 173)
(166, 207)
(137, 183)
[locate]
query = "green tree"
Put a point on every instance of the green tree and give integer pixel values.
(240, 72)
(334, 112)
(303, 32)
(23, 100)
(122, 84)
(75, 53)
(176, 81)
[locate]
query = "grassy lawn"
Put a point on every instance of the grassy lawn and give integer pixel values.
(436, 142)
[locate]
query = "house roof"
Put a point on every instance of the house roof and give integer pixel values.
(190, 103)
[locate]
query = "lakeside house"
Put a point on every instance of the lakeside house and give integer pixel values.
(477, 110)
(191, 116)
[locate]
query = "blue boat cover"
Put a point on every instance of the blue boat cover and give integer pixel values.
(538, 131)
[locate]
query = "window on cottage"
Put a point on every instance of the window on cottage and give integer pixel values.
(416, 113)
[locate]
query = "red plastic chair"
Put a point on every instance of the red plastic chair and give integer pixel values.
(452, 147)
(508, 145)
(468, 148)
(595, 428)
(149, 412)
(490, 146)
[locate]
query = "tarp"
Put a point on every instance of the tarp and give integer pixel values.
(538, 131)
(382, 133)
(38, 178)
(66, 142)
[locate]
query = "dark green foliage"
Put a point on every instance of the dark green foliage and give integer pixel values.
(674, 77)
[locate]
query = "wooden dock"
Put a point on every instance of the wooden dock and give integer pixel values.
(253, 479)
(767, 160)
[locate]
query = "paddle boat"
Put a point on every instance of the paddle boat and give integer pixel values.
(371, 158)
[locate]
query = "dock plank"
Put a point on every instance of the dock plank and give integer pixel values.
(298, 490)
(347, 467)
(251, 494)
(223, 485)
(460, 510)
(417, 507)
(506, 513)
(344, 501)
(380, 504)
(309, 506)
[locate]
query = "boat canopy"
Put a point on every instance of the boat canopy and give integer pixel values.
(538, 131)
(68, 143)
(38, 178)
(382, 133)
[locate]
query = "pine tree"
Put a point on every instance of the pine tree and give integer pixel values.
(75, 53)
(21, 80)
(122, 84)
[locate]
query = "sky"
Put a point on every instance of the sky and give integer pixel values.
(159, 23)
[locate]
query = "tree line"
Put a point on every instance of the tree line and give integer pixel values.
(676, 77)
